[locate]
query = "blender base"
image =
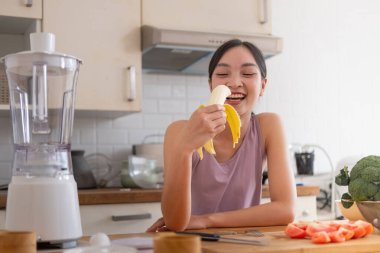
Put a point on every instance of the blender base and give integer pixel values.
(57, 245)
(49, 206)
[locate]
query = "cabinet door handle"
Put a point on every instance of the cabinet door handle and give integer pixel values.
(263, 11)
(141, 216)
(28, 3)
(131, 83)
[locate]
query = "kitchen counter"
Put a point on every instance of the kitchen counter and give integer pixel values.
(275, 242)
(124, 195)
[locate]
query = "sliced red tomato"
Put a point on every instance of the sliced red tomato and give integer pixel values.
(334, 231)
(301, 225)
(367, 226)
(315, 227)
(336, 224)
(359, 232)
(336, 236)
(348, 225)
(320, 237)
(294, 231)
(347, 233)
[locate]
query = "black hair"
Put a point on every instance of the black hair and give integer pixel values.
(256, 53)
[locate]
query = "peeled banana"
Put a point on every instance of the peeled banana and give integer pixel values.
(218, 96)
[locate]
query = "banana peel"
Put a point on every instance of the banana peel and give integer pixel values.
(218, 96)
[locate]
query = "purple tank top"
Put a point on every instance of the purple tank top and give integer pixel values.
(234, 184)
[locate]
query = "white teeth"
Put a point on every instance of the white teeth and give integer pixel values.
(236, 96)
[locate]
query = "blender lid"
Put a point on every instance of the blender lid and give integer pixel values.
(41, 53)
(59, 64)
(42, 50)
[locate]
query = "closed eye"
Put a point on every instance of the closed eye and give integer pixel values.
(249, 74)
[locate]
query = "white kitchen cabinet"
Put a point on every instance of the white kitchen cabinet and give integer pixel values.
(17, 21)
(224, 16)
(106, 36)
(119, 218)
(306, 208)
(20, 8)
(114, 218)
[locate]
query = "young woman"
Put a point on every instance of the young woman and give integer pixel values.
(224, 190)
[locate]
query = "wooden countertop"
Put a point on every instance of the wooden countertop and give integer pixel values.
(276, 242)
(123, 195)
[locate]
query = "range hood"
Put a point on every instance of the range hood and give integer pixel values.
(189, 52)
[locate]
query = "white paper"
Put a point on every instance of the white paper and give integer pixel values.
(143, 244)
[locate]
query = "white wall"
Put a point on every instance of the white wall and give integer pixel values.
(324, 85)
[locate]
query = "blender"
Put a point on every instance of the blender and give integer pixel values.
(42, 195)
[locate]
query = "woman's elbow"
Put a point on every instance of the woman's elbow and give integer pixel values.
(177, 221)
(290, 213)
(289, 216)
(176, 225)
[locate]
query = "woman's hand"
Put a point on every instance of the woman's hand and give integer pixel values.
(204, 124)
(196, 222)
(158, 226)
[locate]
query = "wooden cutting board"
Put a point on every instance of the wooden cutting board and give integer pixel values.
(278, 242)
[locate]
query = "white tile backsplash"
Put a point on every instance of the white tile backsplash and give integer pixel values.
(157, 91)
(172, 106)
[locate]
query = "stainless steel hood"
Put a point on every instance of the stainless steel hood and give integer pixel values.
(190, 52)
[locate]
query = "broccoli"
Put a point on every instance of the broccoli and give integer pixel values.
(368, 161)
(347, 200)
(363, 181)
(343, 178)
(362, 190)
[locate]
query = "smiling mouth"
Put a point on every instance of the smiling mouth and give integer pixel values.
(236, 97)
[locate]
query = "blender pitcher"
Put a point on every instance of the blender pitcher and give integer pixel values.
(42, 195)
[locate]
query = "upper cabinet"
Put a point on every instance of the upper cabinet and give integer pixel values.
(106, 36)
(21, 8)
(220, 16)
(17, 20)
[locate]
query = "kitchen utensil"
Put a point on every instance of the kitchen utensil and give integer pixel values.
(101, 168)
(42, 194)
(125, 178)
(253, 232)
(144, 172)
(220, 238)
(305, 163)
(353, 213)
(82, 171)
(370, 211)
(152, 147)
(176, 243)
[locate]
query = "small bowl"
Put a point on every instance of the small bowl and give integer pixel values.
(371, 211)
(353, 213)
(143, 172)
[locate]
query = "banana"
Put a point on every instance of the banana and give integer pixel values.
(218, 96)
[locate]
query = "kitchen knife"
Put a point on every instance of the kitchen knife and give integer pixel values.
(219, 238)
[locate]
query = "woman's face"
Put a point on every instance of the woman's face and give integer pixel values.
(238, 70)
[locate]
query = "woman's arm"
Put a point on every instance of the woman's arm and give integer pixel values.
(281, 186)
(181, 139)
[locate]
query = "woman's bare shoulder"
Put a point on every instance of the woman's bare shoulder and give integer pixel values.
(268, 118)
(270, 124)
